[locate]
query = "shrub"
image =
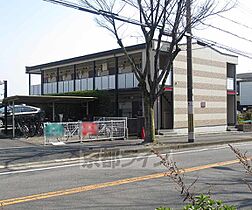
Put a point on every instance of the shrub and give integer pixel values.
(204, 202)
(100, 107)
(244, 116)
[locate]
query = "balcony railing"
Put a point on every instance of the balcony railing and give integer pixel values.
(107, 82)
(35, 90)
(128, 80)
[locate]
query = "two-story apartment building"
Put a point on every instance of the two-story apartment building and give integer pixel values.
(214, 86)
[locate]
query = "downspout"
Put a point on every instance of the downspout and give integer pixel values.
(42, 82)
(74, 85)
(116, 89)
(13, 120)
(94, 74)
(57, 80)
(235, 97)
(29, 84)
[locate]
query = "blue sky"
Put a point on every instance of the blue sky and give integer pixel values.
(34, 32)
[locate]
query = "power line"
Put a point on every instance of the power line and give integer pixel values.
(228, 32)
(225, 47)
(135, 22)
(236, 22)
(104, 14)
(245, 8)
(95, 12)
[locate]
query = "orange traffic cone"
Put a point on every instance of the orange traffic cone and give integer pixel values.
(142, 133)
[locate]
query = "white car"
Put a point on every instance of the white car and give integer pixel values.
(19, 111)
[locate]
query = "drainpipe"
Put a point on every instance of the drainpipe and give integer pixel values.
(94, 75)
(235, 97)
(29, 84)
(74, 87)
(42, 82)
(13, 120)
(57, 80)
(116, 89)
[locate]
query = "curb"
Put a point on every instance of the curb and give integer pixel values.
(164, 146)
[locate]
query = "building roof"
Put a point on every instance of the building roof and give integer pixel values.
(245, 76)
(37, 68)
(19, 99)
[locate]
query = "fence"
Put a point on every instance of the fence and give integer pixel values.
(62, 132)
(101, 130)
(99, 119)
(84, 131)
(96, 118)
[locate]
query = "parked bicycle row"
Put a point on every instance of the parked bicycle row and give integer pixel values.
(30, 126)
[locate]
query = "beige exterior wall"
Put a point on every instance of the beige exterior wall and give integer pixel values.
(209, 87)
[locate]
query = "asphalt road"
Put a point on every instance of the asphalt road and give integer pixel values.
(135, 182)
(22, 151)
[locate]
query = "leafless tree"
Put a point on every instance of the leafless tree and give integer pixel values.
(157, 20)
(177, 176)
(245, 161)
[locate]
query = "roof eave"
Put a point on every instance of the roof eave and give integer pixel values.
(38, 68)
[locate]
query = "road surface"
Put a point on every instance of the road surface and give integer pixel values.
(136, 182)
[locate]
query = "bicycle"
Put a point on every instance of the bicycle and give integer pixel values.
(70, 131)
(104, 130)
(26, 127)
(39, 128)
(107, 130)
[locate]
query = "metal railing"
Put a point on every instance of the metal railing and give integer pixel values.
(84, 131)
(102, 130)
(107, 82)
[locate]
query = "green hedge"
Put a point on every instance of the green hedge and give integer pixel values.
(103, 106)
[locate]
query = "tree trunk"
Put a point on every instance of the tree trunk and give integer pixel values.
(149, 120)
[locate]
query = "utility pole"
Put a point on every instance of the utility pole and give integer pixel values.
(4, 82)
(5, 107)
(191, 135)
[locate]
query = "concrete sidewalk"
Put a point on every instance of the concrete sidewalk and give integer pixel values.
(172, 141)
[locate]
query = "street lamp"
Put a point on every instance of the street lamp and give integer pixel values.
(4, 82)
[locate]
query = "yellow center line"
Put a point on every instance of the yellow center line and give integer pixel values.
(70, 191)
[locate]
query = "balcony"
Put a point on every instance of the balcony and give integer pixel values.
(128, 80)
(107, 82)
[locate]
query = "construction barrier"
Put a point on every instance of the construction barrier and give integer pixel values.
(101, 130)
(61, 132)
(84, 131)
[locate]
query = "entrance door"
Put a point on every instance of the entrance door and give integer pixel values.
(231, 109)
(167, 110)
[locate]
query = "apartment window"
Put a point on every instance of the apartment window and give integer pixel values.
(91, 74)
(72, 76)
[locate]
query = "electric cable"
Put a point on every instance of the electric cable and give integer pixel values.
(228, 32)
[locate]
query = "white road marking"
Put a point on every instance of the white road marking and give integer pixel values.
(27, 147)
(69, 162)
